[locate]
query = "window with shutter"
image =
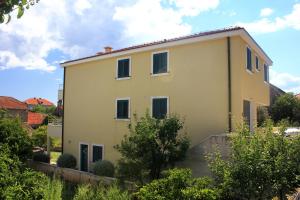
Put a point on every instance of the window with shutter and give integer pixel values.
(257, 63)
(159, 107)
(160, 63)
(123, 68)
(249, 59)
(122, 109)
(266, 73)
(97, 152)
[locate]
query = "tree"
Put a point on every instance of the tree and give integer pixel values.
(151, 146)
(287, 107)
(261, 165)
(39, 137)
(17, 139)
(7, 6)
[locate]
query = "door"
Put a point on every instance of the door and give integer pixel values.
(84, 157)
(247, 113)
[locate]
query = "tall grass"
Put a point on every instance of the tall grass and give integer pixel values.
(53, 190)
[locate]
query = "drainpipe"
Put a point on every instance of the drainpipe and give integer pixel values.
(63, 116)
(229, 84)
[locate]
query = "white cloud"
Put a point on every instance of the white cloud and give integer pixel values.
(266, 12)
(266, 25)
(81, 6)
(285, 81)
(149, 20)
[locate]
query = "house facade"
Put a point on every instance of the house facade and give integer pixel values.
(14, 107)
(212, 80)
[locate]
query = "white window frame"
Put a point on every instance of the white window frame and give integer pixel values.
(159, 97)
(117, 68)
(116, 108)
(98, 145)
(79, 156)
(257, 69)
(249, 71)
(168, 63)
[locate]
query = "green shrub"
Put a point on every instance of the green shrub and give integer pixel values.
(179, 185)
(66, 161)
(104, 168)
(41, 157)
(39, 137)
(53, 190)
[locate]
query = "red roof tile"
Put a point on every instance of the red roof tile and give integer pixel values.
(35, 118)
(11, 103)
(38, 101)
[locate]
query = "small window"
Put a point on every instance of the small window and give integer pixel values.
(123, 68)
(266, 73)
(97, 152)
(249, 59)
(257, 63)
(160, 63)
(159, 107)
(122, 109)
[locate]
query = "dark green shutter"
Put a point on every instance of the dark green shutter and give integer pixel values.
(160, 63)
(159, 108)
(246, 112)
(123, 68)
(97, 153)
(122, 109)
(249, 59)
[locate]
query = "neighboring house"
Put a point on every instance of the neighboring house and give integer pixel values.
(36, 119)
(33, 102)
(211, 79)
(275, 92)
(14, 107)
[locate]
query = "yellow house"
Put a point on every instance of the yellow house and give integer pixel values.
(211, 79)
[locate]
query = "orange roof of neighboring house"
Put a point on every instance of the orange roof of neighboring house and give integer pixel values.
(11, 103)
(35, 118)
(38, 101)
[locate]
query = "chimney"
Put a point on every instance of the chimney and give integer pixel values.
(107, 49)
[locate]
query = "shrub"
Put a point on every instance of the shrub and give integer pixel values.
(41, 157)
(53, 190)
(152, 145)
(39, 137)
(179, 185)
(104, 168)
(66, 161)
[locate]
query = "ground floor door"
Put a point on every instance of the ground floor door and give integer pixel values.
(84, 157)
(247, 113)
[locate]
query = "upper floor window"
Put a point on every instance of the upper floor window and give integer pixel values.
(123, 68)
(160, 107)
(160, 63)
(123, 108)
(257, 63)
(249, 59)
(266, 73)
(97, 152)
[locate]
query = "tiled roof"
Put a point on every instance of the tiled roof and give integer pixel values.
(35, 118)
(161, 42)
(38, 101)
(11, 103)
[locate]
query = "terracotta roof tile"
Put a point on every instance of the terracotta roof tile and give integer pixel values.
(38, 101)
(11, 103)
(35, 118)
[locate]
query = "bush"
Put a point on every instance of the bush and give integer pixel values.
(178, 184)
(41, 157)
(104, 168)
(66, 161)
(39, 137)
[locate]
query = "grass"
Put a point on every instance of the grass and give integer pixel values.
(54, 156)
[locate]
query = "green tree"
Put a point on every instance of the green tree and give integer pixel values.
(16, 137)
(7, 6)
(39, 137)
(151, 146)
(261, 165)
(287, 107)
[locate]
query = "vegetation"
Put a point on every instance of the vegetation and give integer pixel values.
(54, 157)
(66, 161)
(39, 137)
(42, 109)
(261, 165)
(262, 115)
(104, 168)
(178, 184)
(41, 157)
(287, 107)
(15, 137)
(8, 6)
(151, 146)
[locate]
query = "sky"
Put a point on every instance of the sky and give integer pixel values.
(51, 32)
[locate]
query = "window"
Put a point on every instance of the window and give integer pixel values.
(97, 152)
(266, 73)
(247, 112)
(249, 59)
(257, 63)
(160, 63)
(123, 68)
(160, 107)
(122, 110)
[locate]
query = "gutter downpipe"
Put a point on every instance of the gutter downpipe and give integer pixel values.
(229, 84)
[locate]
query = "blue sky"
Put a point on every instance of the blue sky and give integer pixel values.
(50, 32)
